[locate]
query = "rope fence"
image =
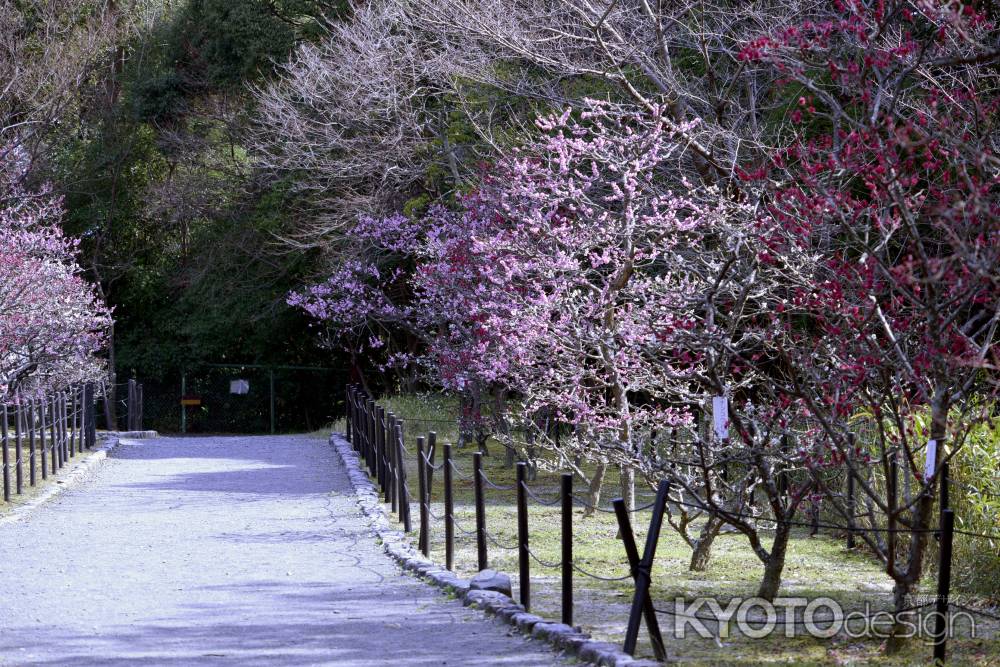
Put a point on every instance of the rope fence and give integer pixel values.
(378, 438)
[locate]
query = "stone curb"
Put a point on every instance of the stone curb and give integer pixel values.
(83, 467)
(563, 638)
(136, 435)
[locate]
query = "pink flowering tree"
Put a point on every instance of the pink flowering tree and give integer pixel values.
(470, 306)
(592, 223)
(365, 305)
(882, 228)
(51, 322)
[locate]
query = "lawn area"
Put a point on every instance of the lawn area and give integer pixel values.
(819, 566)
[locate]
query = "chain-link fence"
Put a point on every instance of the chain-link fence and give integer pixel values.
(245, 399)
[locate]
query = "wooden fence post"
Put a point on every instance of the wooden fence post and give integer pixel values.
(477, 485)
(642, 605)
(68, 452)
(404, 492)
(90, 412)
(381, 472)
(567, 548)
(41, 437)
(18, 449)
(943, 586)
(130, 420)
(56, 447)
(423, 539)
(524, 565)
(392, 492)
(6, 454)
(431, 451)
(31, 442)
(347, 415)
(449, 510)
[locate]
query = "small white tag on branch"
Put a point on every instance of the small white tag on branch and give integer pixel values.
(720, 417)
(931, 463)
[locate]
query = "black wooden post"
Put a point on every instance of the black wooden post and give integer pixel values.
(351, 418)
(18, 449)
(55, 447)
(139, 405)
(31, 442)
(74, 420)
(390, 469)
(449, 510)
(91, 416)
(355, 420)
(41, 437)
(130, 421)
(381, 471)
(423, 540)
(347, 414)
(6, 455)
(642, 572)
(943, 586)
(404, 491)
(567, 548)
(943, 480)
(524, 565)
(64, 426)
(431, 452)
(632, 553)
(477, 485)
(390, 443)
(371, 414)
(64, 402)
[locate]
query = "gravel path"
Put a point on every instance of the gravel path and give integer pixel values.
(249, 551)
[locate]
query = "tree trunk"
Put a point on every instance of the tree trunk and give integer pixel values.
(703, 545)
(907, 579)
(627, 483)
(771, 581)
(594, 490)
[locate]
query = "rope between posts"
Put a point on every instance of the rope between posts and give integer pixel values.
(584, 503)
(538, 499)
(458, 472)
(973, 610)
(430, 465)
(459, 526)
(541, 562)
(491, 484)
(809, 524)
(497, 544)
(597, 576)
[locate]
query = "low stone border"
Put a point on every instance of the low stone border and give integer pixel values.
(564, 638)
(92, 459)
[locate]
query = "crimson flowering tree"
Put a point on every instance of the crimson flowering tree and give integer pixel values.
(882, 229)
(51, 321)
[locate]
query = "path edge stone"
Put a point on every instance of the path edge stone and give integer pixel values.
(91, 461)
(562, 638)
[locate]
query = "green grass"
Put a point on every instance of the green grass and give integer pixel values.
(819, 566)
